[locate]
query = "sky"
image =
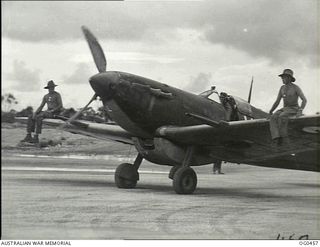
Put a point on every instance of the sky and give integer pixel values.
(191, 45)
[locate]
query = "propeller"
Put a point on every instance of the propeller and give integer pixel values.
(250, 91)
(77, 114)
(96, 50)
(99, 60)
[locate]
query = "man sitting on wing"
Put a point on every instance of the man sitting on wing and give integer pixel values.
(290, 93)
(54, 104)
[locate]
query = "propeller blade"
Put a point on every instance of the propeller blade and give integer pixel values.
(96, 50)
(250, 91)
(76, 115)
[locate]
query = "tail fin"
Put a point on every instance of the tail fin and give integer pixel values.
(250, 91)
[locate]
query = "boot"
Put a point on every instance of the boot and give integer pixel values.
(285, 141)
(28, 138)
(276, 143)
(35, 139)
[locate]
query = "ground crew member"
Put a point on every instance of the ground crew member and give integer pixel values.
(230, 107)
(231, 115)
(290, 93)
(217, 167)
(54, 104)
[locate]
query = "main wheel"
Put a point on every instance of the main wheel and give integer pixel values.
(185, 180)
(173, 171)
(126, 176)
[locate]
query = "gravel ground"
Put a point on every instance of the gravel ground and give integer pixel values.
(11, 134)
(55, 197)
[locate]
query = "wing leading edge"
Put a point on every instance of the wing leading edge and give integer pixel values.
(96, 130)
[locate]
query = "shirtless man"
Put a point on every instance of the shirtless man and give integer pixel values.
(290, 93)
(54, 104)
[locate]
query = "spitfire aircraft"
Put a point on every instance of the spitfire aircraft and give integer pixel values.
(172, 127)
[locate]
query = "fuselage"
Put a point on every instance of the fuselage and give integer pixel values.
(141, 106)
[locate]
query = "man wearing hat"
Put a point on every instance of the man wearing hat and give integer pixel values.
(290, 93)
(54, 104)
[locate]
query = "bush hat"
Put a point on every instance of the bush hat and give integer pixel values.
(289, 73)
(50, 84)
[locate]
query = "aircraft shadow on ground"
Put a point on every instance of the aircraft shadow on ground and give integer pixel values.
(68, 182)
(308, 185)
(241, 192)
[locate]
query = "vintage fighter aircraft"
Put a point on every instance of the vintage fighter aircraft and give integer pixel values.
(169, 126)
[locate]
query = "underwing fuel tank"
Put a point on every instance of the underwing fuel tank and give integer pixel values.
(165, 152)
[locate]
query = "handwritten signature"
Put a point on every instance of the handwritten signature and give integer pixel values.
(293, 237)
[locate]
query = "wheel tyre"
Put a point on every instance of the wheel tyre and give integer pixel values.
(126, 176)
(185, 180)
(173, 171)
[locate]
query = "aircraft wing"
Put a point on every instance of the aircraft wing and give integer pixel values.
(96, 130)
(249, 142)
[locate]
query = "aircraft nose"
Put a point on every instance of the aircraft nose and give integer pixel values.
(104, 84)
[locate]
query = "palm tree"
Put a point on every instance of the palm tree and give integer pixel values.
(7, 101)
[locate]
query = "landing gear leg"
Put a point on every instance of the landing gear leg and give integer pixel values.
(137, 161)
(185, 178)
(127, 175)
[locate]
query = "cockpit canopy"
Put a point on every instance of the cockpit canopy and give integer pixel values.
(241, 105)
(206, 94)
